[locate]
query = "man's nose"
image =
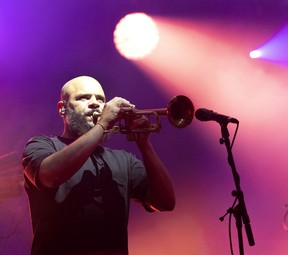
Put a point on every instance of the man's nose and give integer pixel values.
(94, 103)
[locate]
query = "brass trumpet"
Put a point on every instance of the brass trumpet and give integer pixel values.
(180, 113)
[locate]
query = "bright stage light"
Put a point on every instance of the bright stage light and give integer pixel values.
(275, 49)
(135, 36)
(255, 54)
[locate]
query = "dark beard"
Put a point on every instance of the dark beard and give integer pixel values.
(78, 124)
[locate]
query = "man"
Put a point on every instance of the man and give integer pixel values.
(79, 191)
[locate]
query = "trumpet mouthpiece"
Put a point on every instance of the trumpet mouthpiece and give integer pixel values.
(96, 114)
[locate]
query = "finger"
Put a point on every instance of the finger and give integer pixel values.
(122, 102)
(140, 123)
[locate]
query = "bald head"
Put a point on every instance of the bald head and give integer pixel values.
(79, 98)
(72, 86)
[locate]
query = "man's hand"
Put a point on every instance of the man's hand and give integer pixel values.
(110, 113)
(140, 123)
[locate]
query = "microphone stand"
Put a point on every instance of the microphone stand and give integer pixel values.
(239, 211)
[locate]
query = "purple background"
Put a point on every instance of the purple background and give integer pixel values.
(45, 43)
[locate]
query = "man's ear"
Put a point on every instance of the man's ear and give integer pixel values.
(61, 107)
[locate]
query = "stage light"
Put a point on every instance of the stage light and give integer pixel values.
(274, 49)
(136, 36)
(255, 54)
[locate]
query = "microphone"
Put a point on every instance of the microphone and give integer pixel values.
(203, 114)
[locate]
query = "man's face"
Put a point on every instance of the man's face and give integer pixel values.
(84, 99)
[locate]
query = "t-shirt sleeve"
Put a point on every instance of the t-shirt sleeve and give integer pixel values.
(35, 151)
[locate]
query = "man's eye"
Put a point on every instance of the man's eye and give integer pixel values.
(84, 97)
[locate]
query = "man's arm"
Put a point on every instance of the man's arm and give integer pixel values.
(160, 194)
(61, 165)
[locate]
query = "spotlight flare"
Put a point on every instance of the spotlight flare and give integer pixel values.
(136, 36)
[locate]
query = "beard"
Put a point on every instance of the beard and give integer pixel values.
(77, 123)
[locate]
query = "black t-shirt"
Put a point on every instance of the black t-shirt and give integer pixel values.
(89, 212)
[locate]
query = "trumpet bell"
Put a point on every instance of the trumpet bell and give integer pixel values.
(180, 111)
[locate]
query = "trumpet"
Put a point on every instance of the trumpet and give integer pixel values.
(180, 113)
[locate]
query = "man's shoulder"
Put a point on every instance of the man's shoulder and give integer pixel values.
(44, 141)
(39, 138)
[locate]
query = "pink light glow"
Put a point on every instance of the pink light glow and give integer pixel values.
(215, 71)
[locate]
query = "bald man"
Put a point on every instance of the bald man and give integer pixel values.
(80, 191)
